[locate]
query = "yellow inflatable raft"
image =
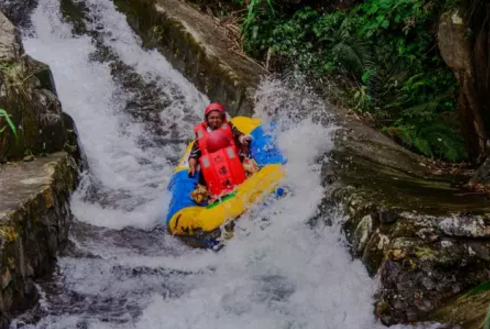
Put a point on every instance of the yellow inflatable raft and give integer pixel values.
(200, 224)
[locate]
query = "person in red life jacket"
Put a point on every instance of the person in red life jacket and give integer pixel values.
(216, 133)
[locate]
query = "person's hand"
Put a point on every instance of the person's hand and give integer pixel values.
(192, 167)
(245, 139)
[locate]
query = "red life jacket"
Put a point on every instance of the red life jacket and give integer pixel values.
(222, 169)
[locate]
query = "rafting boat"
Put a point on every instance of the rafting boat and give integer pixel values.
(201, 225)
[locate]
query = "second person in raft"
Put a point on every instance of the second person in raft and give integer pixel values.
(219, 171)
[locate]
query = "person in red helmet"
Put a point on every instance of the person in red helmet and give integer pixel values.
(213, 134)
(214, 118)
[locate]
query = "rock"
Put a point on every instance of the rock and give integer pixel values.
(218, 7)
(73, 145)
(34, 222)
(362, 233)
(42, 72)
(464, 226)
(10, 43)
(28, 94)
(35, 191)
(482, 174)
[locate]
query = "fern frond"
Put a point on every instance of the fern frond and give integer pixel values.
(425, 110)
(445, 140)
(353, 53)
(423, 146)
(403, 133)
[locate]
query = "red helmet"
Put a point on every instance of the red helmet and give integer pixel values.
(217, 140)
(214, 107)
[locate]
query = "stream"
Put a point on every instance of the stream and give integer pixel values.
(287, 265)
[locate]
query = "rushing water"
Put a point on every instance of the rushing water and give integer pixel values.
(134, 113)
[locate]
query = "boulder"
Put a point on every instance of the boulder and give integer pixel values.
(28, 95)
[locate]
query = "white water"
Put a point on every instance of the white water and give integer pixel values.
(276, 274)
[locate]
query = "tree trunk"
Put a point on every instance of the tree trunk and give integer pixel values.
(468, 59)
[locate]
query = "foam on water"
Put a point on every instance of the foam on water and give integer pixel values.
(110, 137)
(277, 272)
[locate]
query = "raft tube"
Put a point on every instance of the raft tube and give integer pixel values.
(199, 225)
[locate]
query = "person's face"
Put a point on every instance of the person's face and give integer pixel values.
(215, 119)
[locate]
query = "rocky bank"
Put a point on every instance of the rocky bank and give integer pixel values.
(424, 236)
(38, 172)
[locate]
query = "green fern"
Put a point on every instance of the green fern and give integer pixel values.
(445, 140)
(404, 133)
(423, 145)
(352, 51)
(385, 85)
(353, 54)
(434, 140)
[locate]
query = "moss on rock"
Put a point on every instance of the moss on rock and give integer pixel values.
(34, 223)
(28, 94)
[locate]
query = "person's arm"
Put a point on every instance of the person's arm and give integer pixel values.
(238, 136)
(193, 156)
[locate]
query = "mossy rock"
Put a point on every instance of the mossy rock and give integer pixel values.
(34, 222)
(30, 99)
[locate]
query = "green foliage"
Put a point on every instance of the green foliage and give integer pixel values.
(485, 286)
(385, 51)
(435, 140)
(6, 116)
(255, 11)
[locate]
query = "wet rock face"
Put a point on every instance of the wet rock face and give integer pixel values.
(18, 11)
(28, 94)
(424, 238)
(218, 7)
(421, 260)
(419, 276)
(203, 57)
(34, 196)
(34, 222)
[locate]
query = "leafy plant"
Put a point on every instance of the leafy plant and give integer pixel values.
(6, 116)
(436, 140)
(383, 53)
(252, 14)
